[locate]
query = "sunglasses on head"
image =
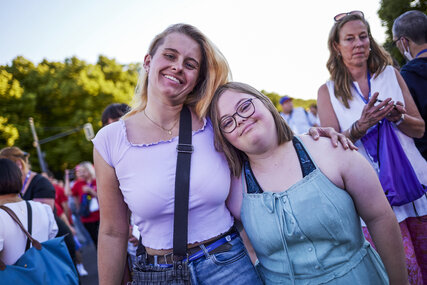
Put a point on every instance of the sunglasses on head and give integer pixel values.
(340, 16)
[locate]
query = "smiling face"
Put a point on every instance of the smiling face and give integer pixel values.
(353, 43)
(253, 134)
(174, 68)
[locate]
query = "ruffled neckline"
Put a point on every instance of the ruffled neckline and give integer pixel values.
(123, 125)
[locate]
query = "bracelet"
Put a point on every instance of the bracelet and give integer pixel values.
(398, 122)
(355, 133)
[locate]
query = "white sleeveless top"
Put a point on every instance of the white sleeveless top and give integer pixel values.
(386, 85)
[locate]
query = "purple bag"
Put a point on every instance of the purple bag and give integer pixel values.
(397, 177)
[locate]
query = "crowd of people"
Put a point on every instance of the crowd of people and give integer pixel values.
(284, 206)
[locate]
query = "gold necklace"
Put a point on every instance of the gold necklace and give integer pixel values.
(166, 130)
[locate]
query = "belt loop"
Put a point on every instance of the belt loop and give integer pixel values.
(205, 251)
(155, 260)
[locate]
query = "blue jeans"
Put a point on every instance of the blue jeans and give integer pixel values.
(230, 267)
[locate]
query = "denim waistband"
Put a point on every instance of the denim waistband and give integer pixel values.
(193, 253)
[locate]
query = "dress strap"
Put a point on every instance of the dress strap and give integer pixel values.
(252, 184)
(307, 164)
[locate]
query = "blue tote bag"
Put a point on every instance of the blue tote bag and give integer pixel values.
(397, 177)
(45, 263)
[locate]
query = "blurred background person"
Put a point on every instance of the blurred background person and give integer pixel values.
(410, 36)
(64, 213)
(360, 74)
(35, 187)
(85, 194)
(312, 116)
(13, 241)
(113, 113)
(297, 118)
(38, 188)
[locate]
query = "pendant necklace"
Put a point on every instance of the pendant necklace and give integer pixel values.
(169, 131)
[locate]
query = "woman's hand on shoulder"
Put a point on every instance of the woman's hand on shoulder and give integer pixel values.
(333, 135)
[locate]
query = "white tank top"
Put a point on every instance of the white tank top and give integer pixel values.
(387, 86)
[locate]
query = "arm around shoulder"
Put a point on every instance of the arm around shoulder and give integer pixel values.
(114, 224)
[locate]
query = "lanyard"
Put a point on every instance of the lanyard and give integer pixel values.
(421, 52)
(25, 181)
(360, 94)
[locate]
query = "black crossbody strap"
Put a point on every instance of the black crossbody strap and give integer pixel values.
(182, 184)
(30, 224)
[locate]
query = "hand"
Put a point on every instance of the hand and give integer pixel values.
(328, 132)
(73, 230)
(131, 238)
(396, 112)
(372, 114)
(86, 189)
(134, 241)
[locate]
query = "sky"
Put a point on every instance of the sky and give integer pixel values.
(274, 45)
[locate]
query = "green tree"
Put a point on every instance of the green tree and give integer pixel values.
(388, 12)
(60, 96)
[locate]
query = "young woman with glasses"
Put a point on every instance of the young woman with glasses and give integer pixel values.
(300, 200)
(366, 92)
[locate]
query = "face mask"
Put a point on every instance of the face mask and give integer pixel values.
(406, 52)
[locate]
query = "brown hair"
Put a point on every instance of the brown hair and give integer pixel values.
(214, 71)
(377, 61)
(16, 154)
(235, 157)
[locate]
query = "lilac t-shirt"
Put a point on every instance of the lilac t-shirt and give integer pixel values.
(146, 174)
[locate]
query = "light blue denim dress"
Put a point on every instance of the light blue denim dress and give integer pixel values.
(308, 234)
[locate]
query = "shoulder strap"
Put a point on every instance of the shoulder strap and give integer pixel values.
(182, 184)
(30, 223)
(306, 163)
(35, 243)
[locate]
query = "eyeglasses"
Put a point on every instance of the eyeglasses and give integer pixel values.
(244, 110)
(340, 16)
(394, 43)
(24, 155)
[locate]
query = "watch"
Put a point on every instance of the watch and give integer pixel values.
(398, 122)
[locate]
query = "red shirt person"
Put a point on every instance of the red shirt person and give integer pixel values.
(84, 191)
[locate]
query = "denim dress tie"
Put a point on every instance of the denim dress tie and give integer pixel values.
(278, 204)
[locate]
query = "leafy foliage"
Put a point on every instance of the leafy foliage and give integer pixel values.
(388, 12)
(59, 96)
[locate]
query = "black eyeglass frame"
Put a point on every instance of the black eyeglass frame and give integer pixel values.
(340, 16)
(238, 114)
(394, 43)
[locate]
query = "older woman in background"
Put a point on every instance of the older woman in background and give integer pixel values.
(364, 91)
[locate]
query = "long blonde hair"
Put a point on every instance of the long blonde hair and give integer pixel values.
(377, 61)
(214, 71)
(236, 157)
